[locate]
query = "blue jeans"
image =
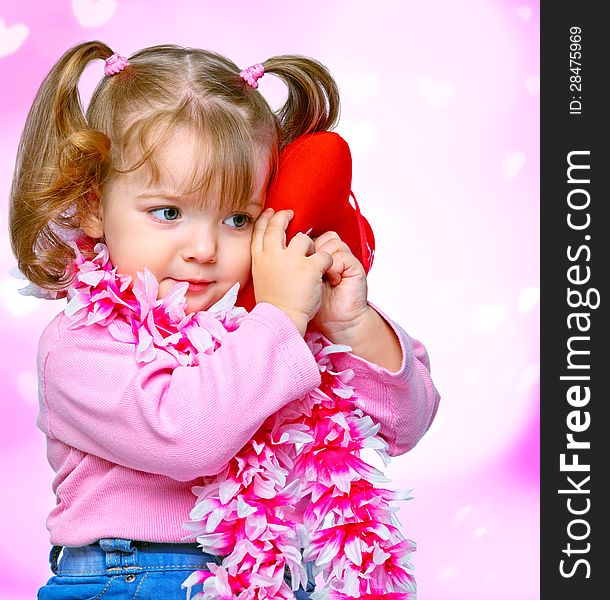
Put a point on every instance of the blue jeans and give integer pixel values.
(114, 568)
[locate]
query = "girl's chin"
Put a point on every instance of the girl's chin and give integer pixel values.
(196, 302)
(196, 306)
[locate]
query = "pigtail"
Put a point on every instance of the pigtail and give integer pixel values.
(60, 163)
(313, 96)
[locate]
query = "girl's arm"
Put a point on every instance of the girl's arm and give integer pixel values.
(403, 401)
(160, 417)
(392, 370)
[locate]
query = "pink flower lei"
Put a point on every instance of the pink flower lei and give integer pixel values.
(310, 449)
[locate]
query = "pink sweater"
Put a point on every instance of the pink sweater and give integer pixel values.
(127, 441)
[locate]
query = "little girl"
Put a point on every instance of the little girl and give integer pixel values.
(157, 193)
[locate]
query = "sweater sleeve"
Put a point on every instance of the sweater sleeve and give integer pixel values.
(164, 418)
(404, 402)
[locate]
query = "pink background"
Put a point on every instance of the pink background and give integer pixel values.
(440, 105)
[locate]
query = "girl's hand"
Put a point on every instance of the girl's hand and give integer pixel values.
(287, 276)
(344, 304)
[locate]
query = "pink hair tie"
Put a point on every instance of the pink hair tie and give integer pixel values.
(252, 74)
(115, 64)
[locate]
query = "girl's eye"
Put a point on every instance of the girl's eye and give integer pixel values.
(168, 213)
(239, 221)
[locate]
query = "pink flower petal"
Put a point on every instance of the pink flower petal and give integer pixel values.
(353, 550)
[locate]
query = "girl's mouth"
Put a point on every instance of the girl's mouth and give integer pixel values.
(194, 286)
(198, 286)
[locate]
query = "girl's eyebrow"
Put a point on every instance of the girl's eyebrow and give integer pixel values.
(159, 195)
(174, 198)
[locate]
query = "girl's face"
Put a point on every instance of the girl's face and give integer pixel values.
(179, 238)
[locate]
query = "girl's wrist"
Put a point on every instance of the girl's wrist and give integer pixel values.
(298, 318)
(372, 339)
(349, 332)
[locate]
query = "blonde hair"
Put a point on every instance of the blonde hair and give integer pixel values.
(65, 157)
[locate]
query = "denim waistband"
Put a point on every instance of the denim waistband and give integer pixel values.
(116, 555)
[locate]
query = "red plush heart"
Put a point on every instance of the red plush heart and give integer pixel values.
(314, 180)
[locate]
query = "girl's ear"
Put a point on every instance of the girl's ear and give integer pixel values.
(92, 223)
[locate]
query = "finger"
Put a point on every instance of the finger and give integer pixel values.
(275, 232)
(327, 235)
(322, 260)
(302, 244)
(260, 226)
(342, 261)
(332, 245)
(345, 265)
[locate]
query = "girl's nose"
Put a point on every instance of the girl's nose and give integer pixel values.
(201, 245)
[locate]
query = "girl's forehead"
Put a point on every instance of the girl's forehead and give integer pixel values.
(183, 164)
